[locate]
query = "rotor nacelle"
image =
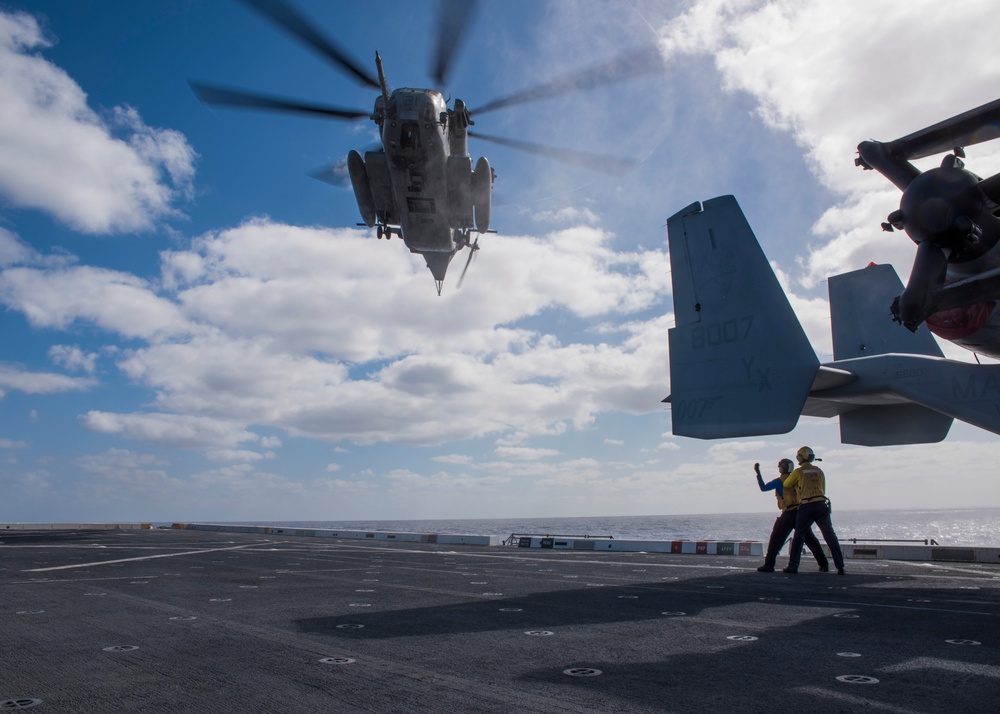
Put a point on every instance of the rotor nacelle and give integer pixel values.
(945, 207)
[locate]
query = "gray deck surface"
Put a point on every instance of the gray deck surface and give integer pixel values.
(189, 621)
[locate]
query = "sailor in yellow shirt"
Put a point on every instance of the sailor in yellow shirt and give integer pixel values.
(813, 508)
(788, 504)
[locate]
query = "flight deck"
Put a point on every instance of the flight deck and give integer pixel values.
(181, 620)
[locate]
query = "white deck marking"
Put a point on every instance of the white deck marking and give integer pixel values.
(144, 557)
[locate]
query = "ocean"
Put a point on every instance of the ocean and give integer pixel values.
(967, 526)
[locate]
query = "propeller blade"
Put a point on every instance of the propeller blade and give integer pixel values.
(472, 252)
(222, 97)
(971, 127)
(928, 273)
(454, 18)
(644, 61)
(596, 162)
(288, 18)
(991, 188)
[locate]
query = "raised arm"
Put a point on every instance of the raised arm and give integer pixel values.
(774, 485)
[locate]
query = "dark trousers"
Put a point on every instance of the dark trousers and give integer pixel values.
(783, 527)
(817, 512)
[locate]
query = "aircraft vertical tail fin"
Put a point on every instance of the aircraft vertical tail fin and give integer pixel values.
(740, 363)
(862, 321)
(862, 327)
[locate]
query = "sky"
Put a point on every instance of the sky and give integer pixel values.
(194, 329)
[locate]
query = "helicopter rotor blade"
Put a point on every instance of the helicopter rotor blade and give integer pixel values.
(472, 252)
(222, 97)
(337, 173)
(971, 127)
(596, 162)
(454, 17)
(646, 60)
(288, 18)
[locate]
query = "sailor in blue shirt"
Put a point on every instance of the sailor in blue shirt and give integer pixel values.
(784, 524)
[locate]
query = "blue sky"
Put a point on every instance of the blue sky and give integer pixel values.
(194, 329)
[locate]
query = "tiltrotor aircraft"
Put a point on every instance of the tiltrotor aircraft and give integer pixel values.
(951, 214)
(420, 184)
(741, 364)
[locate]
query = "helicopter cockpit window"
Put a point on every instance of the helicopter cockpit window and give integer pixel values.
(409, 135)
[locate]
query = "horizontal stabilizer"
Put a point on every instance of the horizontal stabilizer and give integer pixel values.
(955, 390)
(740, 363)
(893, 425)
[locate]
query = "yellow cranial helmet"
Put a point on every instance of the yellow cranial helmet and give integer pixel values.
(805, 454)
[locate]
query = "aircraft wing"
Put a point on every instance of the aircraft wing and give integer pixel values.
(741, 365)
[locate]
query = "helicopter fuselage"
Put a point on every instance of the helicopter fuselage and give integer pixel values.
(421, 184)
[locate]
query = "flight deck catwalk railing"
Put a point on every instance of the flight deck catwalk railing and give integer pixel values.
(515, 538)
(923, 541)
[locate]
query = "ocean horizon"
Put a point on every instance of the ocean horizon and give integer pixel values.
(961, 526)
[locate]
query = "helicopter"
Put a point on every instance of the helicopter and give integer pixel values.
(419, 183)
(952, 215)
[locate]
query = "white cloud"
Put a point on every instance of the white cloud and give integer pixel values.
(123, 475)
(301, 329)
(294, 283)
(523, 453)
(729, 449)
(238, 455)
(329, 334)
(14, 444)
(73, 358)
(13, 251)
(29, 382)
(173, 430)
(568, 215)
(457, 459)
(114, 300)
(246, 485)
(58, 155)
(816, 74)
